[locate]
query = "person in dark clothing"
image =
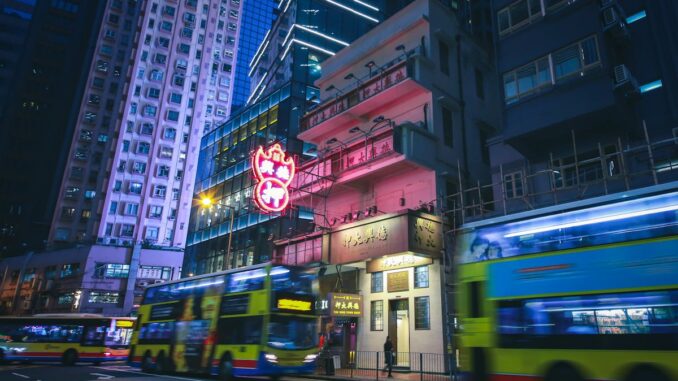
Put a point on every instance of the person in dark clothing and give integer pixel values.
(388, 355)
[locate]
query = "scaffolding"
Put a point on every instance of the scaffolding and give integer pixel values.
(527, 185)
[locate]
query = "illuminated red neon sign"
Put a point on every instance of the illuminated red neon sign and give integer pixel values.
(273, 171)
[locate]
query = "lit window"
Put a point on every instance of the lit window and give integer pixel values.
(377, 315)
(422, 312)
(377, 284)
(421, 277)
(104, 297)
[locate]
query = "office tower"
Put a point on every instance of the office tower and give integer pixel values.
(282, 72)
(44, 47)
(259, 15)
(161, 75)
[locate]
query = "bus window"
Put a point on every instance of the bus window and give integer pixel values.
(94, 335)
(251, 280)
(641, 320)
(240, 330)
(52, 333)
(475, 299)
(291, 281)
(286, 332)
(118, 337)
(156, 333)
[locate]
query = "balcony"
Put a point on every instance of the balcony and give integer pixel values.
(355, 106)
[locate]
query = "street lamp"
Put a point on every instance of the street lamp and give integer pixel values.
(207, 203)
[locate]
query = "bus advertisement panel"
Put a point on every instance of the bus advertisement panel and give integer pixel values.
(258, 320)
(68, 338)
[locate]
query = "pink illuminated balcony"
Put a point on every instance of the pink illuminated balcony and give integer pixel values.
(335, 115)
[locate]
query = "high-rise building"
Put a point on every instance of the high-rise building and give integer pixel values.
(162, 74)
(259, 15)
(44, 48)
(282, 72)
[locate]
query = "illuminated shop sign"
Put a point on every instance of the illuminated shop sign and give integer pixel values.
(273, 171)
(397, 262)
(345, 305)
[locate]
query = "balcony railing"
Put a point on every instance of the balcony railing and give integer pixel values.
(382, 79)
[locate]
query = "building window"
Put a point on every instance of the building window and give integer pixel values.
(156, 75)
(518, 14)
(175, 98)
(377, 284)
(111, 270)
(448, 133)
(113, 208)
(163, 171)
(66, 298)
(173, 115)
(575, 58)
(149, 110)
(153, 93)
(104, 297)
(513, 184)
(154, 211)
(152, 233)
(169, 133)
(69, 270)
(131, 209)
(117, 186)
(421, 277)
(139, 167)
(422, 311)
(546, 71)
(134, 187)
(146, 129)
(143, 148)
(159, 191)
(377, 315)
(154, 272)
(126, 230)
(444, 58)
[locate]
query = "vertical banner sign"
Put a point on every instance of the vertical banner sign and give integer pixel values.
(273, 171)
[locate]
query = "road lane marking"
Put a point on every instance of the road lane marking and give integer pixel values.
(20, 375)
(150, 375)
(101, 376)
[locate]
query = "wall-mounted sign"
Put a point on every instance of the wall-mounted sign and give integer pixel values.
(386, 235)
(273, 172)
(395, 262)
(398, 281)
(345, 305)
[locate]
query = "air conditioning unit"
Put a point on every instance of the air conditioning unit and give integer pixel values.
(623, 80)
(158, 281)
(113, 241)
(143, 283)
(614, 23)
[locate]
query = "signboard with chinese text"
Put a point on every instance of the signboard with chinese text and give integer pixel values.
(345, 305)
(397, 262)
(398, 281)
(273, 172)
(386, 235)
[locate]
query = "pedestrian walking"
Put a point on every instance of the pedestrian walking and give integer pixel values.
(388, 355)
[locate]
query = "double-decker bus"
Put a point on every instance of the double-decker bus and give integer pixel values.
(68, 338)
(581, 291)
(253, 321)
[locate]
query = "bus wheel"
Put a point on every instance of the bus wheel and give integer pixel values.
(226, 368)
(563, 372)
(647, 373)
(147, 363)
(69, 357)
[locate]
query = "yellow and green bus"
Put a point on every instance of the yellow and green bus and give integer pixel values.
(253, 321)
(582, 291)
(68, 338)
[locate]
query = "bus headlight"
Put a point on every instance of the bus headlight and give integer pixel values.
(270, 357)
(310, 358)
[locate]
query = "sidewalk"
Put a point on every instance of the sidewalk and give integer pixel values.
(371, 375)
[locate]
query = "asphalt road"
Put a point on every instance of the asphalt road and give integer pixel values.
(82, 372)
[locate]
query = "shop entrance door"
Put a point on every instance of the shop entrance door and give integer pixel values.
(399, 330)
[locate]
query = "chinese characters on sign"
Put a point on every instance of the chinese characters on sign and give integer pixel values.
(397, 262)
(398, 281)
(345, 305)
(370, 235)
(273, 171)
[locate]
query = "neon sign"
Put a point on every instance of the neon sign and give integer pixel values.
(294, 305)
(273, 171)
